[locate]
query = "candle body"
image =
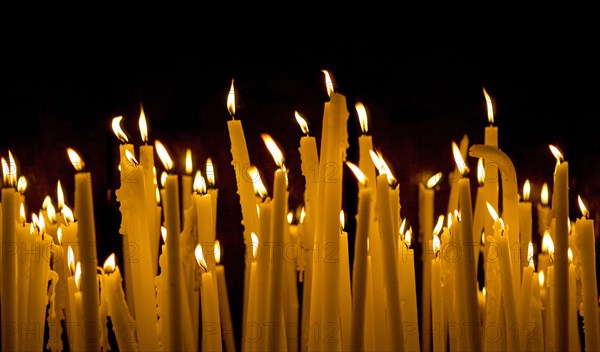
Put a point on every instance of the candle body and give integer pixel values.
(491, 182)
(543, 215)
(345, 293)
(525, 307)
(147, 162)
(438, 325)
(123, 324)
(211, 323)
(508, 298)
(186, 191)
(560, 205)
(10, 300)
(426, 198)
(526, 228)
(224, 309)
(408, 295)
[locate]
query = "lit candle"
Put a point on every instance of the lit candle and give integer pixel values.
(437, 302)
(173, 312)
(537, 327)
(455, 176)
(492, 181)
(345, 289)
(586, 245)
(526, 303)
(525, 222)
(86, 235)
(212, 190)
(74, 287)
(205, 221)
(211, 322)
(560, 210)
(186, 181)
(543, 210)
(224, 310)
(123, 324)
(10, 300)
(408, 293)
(479, 212)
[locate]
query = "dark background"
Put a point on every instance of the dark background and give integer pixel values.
(64, 93)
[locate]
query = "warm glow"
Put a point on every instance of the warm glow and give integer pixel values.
(490, 108)
(12, 171)
(59, 235)
(41, 223)
(67, 214)
(163, 178)
(582, 207)
(130, 157)
(157, 195)
(109, 264)
(78, 275)
(199, 184)
(60, 196)
(449, 220)
(217, 251)
(188, 162)
(77, 162)
(116, 127)
(545, 194)
(570, 255)
(526, 191)
(439, 225)
(434, 180)
(22, 184)
(254, 244)
(557, 154)
(302, 215)
(458, 159)
(328, 83)
(541, 279)
(402, 226)
(492, 211)
(436, 244)
(377, 162)
(480, 172)
(342, 219)
(231, 100)
(34, 220)
(154, 174)
(408, 237)
(163, 233)
(5, 173)
(200, 257)
(362, 117)
(49, 207)
(482, 237)
(22, 214)
(273, 149)
(163, 155)
(484, 292)
(143, 125)
(547, 242)
(259, 187)
(290, 217)
(301, 122)
(390, 177)
(530, 254)
(210, 172)
(71, 259)
(360, 176)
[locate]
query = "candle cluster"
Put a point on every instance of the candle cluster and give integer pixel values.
(479, 282)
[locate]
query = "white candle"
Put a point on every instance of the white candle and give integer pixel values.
(438, 325)
(224, 310)
(526, 303)
(408, 293)
(491, 181)
(345, 291)
(525, 223)
(211, 322)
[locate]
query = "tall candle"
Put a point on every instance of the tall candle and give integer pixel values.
(560, 209)
(224, 309)
(455, 176)
(76, 328)
(479, 214)
(537, 327)
(86, 235)
(211, 323)
(526, 303)
(585, 241)
(212, 190)
(345, 291)
(408, 293)
(492, 181)
(525, 222)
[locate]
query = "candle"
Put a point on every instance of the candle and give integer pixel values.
(77, 330)
(211, 324)
(86, 235)
(455, 176)
(174, 311)
(123, 324)
(186, 181)
(585, 242)
(479, 212)
(212, 190)
(492, 181)
(525, 298)
(408, 293)
(525, 222)
(224, 310)
(25, 244)
(345, 289)
(537, 327)
(560, 209)
(205, 221)
(262, 258)
(438, 325)
(543, 210)
(250, 342)
(10, 300)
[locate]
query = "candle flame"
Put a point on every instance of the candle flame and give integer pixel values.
(449, 220)
(22, 184)
(302, 215)
(254, 244)
(290, 217)
(22, 216)
(557, 154)
(541, 279)
(547, 242)
(458, 159)
(34, 220)
(490, 108)
(530, 254)
(163, 178)
(49, 207)
(328, 83)
(438, 225)
(188, 162)
(492, 211)
(544, 194)
(109, 264)
(436, 244)
(67, 214)
(143, 125)
(199, 184)
(163, 233)
(116, 127)
(59, 235)
(78, 275)
(154, 175)
(231, 100)
(484, 292)
(362, 117)
(71, 260)
(360, 176)
(302, 122)
(382, 167)
(5, 173)
(273, 149)
(408, 237)
(482, 237)
(434, 180)
(582, 207)
(163, 155)
(402, 226)
(480, 172)
(217, 251)
(41, 223)
(259, 187)
(60, 196)
(210, 172)
(130, 158)
(12, 170)
(342, 219)
(570, 255)
(76, 160)
(157, 195)
(200, 257)
(526, 190)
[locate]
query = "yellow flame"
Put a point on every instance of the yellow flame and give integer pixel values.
(217, 251)
(34, 221)
(59, 235)
(482, 237)
(78, 275)
(76, 160)
(13, 169)
(390, 177)
(408, 237)
(449, 220)
(458, 159)
(143, 125)
(541, 279)
(188, 162)
(362, 117)
(60, 196)
(130, 157)
(290, 217)
(360, 176)
(402, 226)
(526, 190)
(492, 211)
(273, 149)
(199, 184)
(342, 219)
(231, 100)
(67, 214)
(254, 244)
(547, 242)
(22, 184)
(49, 207)
(557, 154)
(41, 223)
(163, 179)
(302, 215)
(259, 187)
(484, 292)
(570, 255)
(439, 225)
(328, 83)
(71, 259)
(5, 172)
(116, 127)
(582, 207)
(154, 175)
(22, 216)
(377, 162)
(480, 172)
(157, 195)
(109, 264)
(436, 244)
(434, 180)
(163, 233)
(301, 122)
(530, 254)
(200, 257)
(210, 172)
(545, 195)
(490, 108)
(163, 155)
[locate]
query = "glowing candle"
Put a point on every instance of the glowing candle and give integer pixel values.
(224, 310)
(560, 209)
(525, 222)
(585, 242)
(212, 190)
(408, 293)
(437, 301)
(173, 265)
(526, 297)
(77, 330)
(211, 322)
(186, 181)
(205, 221)
(479, 212)
(86, 235)
(491, 181)
(455, 176)
(345, 289)
(543, 210)
(10, 300)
